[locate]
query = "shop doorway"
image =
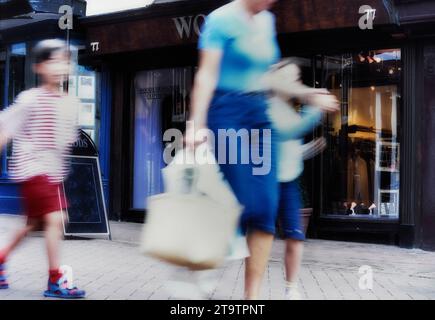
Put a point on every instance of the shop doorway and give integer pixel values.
(161, 100)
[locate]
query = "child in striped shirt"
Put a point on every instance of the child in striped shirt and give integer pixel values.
(42, 124)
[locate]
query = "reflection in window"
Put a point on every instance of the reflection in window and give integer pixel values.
(83, 83)
(161, 100)
(361, 165)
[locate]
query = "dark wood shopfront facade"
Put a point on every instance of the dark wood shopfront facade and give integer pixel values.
(384, 77)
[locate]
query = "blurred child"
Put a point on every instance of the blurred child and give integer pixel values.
(42, 124)
(292, 126)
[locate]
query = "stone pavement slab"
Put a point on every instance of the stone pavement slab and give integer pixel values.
(115, 270)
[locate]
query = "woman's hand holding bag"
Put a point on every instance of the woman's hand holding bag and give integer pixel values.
(193, 223)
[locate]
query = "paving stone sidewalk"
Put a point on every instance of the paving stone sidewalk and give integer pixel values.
(116, 270)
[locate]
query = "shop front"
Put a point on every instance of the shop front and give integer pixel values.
(367, 185)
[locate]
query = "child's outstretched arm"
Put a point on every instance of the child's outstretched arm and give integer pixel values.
(298, 127)
(285, 82)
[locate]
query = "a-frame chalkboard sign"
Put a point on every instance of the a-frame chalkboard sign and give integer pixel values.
(86, 214)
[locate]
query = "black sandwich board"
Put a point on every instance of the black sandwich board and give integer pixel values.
(86, 214)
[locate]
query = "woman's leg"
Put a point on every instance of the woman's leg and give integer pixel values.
(260, 245)
(254, 182)
(262, 214)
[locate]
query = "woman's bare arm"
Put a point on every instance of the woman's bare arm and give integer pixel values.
(203, 89)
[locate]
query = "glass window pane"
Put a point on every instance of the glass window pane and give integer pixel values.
(17, 78)
(361, 166)
(161, 103)
(2, 78)
(84, 83)
(17, 70)
(2, 86)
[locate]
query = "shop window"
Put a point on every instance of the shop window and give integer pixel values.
(18, 74)
(2, 85)
(2, 78)
(17, 70)
(161, 103)
(85, 84)
(361, 167)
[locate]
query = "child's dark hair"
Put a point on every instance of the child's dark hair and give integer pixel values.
(45, 49)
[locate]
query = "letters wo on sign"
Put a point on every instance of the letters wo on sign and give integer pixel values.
(86, 214)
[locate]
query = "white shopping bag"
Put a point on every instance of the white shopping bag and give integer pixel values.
(200, 169)
(193, 223)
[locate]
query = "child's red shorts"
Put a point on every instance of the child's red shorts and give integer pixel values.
(41, 197)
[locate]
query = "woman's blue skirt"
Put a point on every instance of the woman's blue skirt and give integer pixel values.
(245, 147)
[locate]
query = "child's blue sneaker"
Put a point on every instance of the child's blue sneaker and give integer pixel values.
(3, 280)
(60, 290)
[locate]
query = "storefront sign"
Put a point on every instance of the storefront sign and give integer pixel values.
(188, 24)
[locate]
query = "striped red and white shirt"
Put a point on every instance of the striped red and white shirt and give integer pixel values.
(43, 126)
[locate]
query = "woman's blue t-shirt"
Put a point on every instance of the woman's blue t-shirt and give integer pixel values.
(249, 47)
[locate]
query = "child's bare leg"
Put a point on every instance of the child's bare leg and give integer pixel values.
(17, 238)
(53, 236)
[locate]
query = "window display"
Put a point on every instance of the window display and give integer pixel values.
(83, 83)
(361, 167)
